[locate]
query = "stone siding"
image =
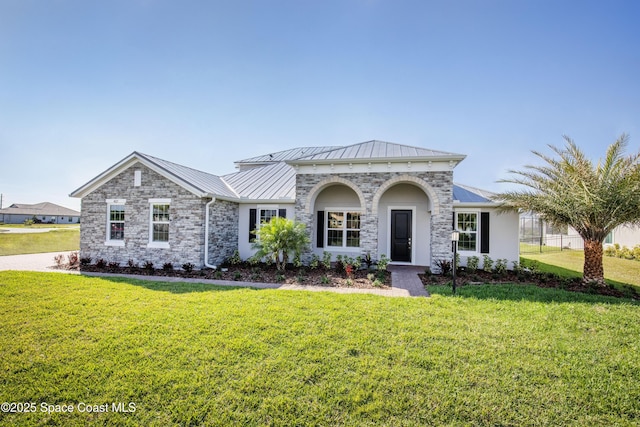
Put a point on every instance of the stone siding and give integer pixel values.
(368, 184)
(223, 230)
(186, 229)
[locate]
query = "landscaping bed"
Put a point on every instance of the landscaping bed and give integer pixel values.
(529, 276)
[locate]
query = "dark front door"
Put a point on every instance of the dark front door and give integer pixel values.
(401, 235)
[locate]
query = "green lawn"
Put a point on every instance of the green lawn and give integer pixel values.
(191, 354)
(569, 263)
(63, 238)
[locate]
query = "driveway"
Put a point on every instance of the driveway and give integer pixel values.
(31, 262)
(26, 230)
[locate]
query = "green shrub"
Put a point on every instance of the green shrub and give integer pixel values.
(280, 237)
(472, 264)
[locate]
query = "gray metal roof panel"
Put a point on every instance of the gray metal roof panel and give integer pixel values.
(206, 182)
(467, 194)
(376, 150)
(44, 208)
(292, 154)
(275, 181)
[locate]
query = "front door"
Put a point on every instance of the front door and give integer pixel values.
(401, 224)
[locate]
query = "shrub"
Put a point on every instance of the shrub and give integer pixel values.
(148, 265)
(72, 259)
(235, 258)
(472, 264)
(315, 262)
(101, 263)
(487, 263)
(237, 276)
(167, 266)
(339, 264)
(297, 261)
(59, 260)
(280, 237)
(325, 280)
(444, 265)
(132, 264)
(501, 266)
(85, 261)
(326, 260)
(114, 265)
(368, 261)
(188, 267)
(383, 262)
(29, 222)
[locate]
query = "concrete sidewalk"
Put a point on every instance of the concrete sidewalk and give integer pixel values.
(405, 280)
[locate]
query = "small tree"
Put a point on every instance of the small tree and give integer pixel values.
(280, 237)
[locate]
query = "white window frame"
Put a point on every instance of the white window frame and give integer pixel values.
(108, 240)
(261, 208)
(476, 232)
(345, 230)
(152, 203)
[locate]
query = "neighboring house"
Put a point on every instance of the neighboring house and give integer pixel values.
(374, 197)
(535, 231)
(45, 212)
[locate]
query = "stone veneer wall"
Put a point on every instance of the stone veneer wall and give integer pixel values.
(223, 230)
(186, 230)
(369, 183)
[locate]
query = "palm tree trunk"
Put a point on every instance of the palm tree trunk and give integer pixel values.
(593, 270)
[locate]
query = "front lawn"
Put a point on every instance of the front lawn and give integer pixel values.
(195, 354)
(61, 239)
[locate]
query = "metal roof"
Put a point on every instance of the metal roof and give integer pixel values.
(273, 182)
(468, 194)
(204, 181)
(292, 154)
(378, 150)
(39, 209)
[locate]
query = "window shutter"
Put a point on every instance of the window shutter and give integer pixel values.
(453, 221)
(253, 214)
(484, 232)
(282, 213)
(320, 230)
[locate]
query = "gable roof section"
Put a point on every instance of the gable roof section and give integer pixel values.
(467, 194)
(380, 150)
(272, 182)
(39, 209)
(199, 183)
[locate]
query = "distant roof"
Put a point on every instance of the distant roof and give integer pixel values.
(39, 209)
(381, 150)
(468, 194)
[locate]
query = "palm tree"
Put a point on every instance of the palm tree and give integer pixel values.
(570, 190)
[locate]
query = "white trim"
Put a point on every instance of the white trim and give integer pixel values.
(413, 210)
(342, 248)
(478, 225)
(107, 240)
(152, 243)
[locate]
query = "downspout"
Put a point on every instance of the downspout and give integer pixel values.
(206, 234)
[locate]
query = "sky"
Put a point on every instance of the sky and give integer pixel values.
(204, 83)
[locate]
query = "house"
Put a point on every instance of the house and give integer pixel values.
(373, 197)
(46, 212)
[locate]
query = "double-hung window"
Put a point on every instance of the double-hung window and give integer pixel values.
(115, 222)
(343, 229)
(159, 222)
(467, 225)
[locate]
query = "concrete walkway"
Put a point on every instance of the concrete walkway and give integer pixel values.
(405, 280)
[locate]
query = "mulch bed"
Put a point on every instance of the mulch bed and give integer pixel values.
(543, 280)
(261, 274)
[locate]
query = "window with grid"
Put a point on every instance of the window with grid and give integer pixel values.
(116, 222)
(266, 215)
(343, 229)
(467, 225)
(160, 222)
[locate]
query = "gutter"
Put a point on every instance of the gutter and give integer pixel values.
(206, 235)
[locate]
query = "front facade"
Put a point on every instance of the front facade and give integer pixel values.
(374, 198)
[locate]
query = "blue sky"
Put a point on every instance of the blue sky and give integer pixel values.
(204, 83)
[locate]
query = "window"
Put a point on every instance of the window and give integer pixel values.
(467, 225)
(266, 215)
(159, 226)
(343, 229)
(609, 239)
(115, 222)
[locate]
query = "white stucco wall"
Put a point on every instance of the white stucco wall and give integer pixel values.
(244, 247)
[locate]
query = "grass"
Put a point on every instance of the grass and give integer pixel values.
(196, 354)
(569, 263)
(59, 240)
